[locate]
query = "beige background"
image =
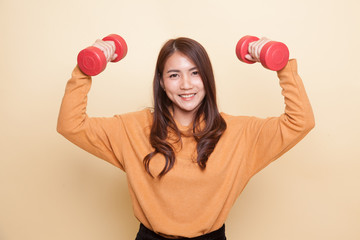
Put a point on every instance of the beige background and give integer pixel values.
(50, 189)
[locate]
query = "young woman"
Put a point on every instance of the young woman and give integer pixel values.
(185, 162)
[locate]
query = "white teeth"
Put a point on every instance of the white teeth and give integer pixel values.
(187, 96)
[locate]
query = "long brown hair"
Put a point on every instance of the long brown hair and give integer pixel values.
(206, 135)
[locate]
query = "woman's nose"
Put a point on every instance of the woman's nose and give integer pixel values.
(186, 82)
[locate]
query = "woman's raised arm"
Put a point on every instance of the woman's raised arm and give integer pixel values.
(91, 134)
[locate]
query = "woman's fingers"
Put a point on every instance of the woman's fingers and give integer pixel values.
(255, 48)
(249, 57)
(107, 47)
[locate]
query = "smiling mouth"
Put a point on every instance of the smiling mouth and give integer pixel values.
(187, 95)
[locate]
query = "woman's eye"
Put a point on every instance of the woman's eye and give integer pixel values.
(195, 73)
(175, 75)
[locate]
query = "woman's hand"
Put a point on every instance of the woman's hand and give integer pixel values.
(255, 49)
(107, 47)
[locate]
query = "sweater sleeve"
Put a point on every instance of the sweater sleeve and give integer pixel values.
(91, 134)
(274, 136)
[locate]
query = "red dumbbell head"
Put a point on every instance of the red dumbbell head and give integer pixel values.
(120, 44)
(274, 55)
(91, 61)
(242, 48)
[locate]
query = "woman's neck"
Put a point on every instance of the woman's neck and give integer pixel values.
(185, 119)
(181, 117)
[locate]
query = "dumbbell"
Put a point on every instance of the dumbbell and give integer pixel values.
(92, 60)
(273, 55)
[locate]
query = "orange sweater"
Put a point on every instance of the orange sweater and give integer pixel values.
(187, 201)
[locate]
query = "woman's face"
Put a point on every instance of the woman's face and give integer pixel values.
(183, 86)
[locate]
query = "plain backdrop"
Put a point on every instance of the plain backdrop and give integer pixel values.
(50, 189)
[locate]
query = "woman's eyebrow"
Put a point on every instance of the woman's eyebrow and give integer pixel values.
(175, 70)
